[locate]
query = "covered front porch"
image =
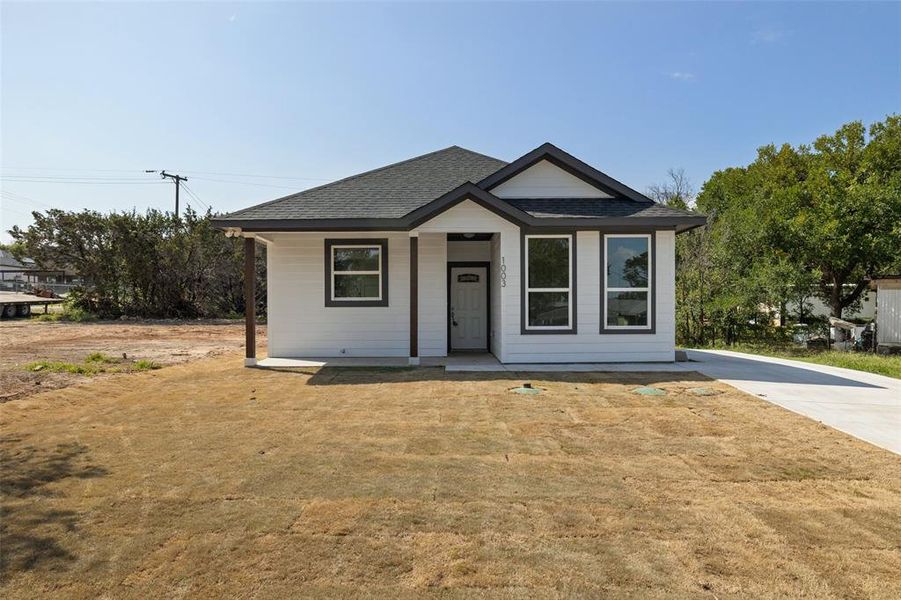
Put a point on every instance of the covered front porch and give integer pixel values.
(442, 285)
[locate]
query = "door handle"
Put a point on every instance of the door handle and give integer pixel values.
(453, 318)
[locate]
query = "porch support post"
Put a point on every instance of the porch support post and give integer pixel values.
(250, 304)
(414, 298)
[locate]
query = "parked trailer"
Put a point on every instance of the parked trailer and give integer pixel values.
(13, 304)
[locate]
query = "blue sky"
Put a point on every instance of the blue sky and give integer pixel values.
(306, 93)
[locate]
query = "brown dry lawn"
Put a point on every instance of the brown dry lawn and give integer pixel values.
(24, 341)
(209, 480)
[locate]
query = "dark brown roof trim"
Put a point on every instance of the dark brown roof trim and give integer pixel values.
(568, 163)
(467, 191)
(679, 224)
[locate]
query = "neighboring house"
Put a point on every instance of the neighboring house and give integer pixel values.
(24, 275)
(545, 259)
(15, 274)
(11, 267)
(814, 306)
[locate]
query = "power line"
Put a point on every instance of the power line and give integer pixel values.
(82, 182)
(196, 197)
(54, 178)
(23, 198)
(189, 171)
(263, 176)
(269, 185)
(72, 169)
(177, 179)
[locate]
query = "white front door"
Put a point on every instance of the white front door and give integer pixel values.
(468, 310)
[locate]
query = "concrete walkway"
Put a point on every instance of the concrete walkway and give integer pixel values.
(864, 405)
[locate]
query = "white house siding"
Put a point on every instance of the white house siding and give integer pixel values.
(546, 180)
(299, 323)
(433, 257)
(498, 276)
(589, 345)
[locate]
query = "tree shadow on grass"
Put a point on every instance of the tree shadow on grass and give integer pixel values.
(28, 532)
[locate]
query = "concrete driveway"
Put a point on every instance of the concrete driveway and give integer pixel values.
(864, 405)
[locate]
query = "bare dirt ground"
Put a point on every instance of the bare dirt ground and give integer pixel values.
(23, 342)
(206, 479)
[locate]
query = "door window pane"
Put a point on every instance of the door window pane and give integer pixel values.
(627, 262)
(627, 309)
(548, 262)
(548, 309)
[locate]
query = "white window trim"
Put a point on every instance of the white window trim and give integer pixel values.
(647, 288)
(336, 273)
(569, 324)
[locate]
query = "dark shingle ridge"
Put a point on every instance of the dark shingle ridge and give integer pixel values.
(389, 191)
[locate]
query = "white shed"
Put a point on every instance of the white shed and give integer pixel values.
(888, 312)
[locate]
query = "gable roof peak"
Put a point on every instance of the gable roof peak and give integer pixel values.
(566, 161)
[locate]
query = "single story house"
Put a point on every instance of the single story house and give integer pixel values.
(543, 259)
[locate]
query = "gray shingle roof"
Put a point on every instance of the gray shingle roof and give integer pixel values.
(402, 195)
(384, 193)
(590, 208)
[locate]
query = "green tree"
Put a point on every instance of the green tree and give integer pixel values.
(148, 265)
(832, 209)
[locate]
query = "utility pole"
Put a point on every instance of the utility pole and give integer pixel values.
(176, 178)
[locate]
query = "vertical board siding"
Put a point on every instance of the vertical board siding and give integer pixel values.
(432, 294)
(546, 180)
(498, 274)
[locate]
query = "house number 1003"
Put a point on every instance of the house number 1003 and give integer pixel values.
(503, 273)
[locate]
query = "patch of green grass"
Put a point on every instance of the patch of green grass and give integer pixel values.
(52, 366)
(859, 361)
(49, 317)
(145, 365)
(66, 313)
(94, 364)
(99, 357)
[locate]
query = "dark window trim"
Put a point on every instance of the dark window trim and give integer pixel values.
(573, 328)
(383, 243)
(462, 265)
(652, 308)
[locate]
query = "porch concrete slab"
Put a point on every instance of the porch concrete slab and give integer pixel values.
(472, 363)
(341, 361)
(864, 405)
